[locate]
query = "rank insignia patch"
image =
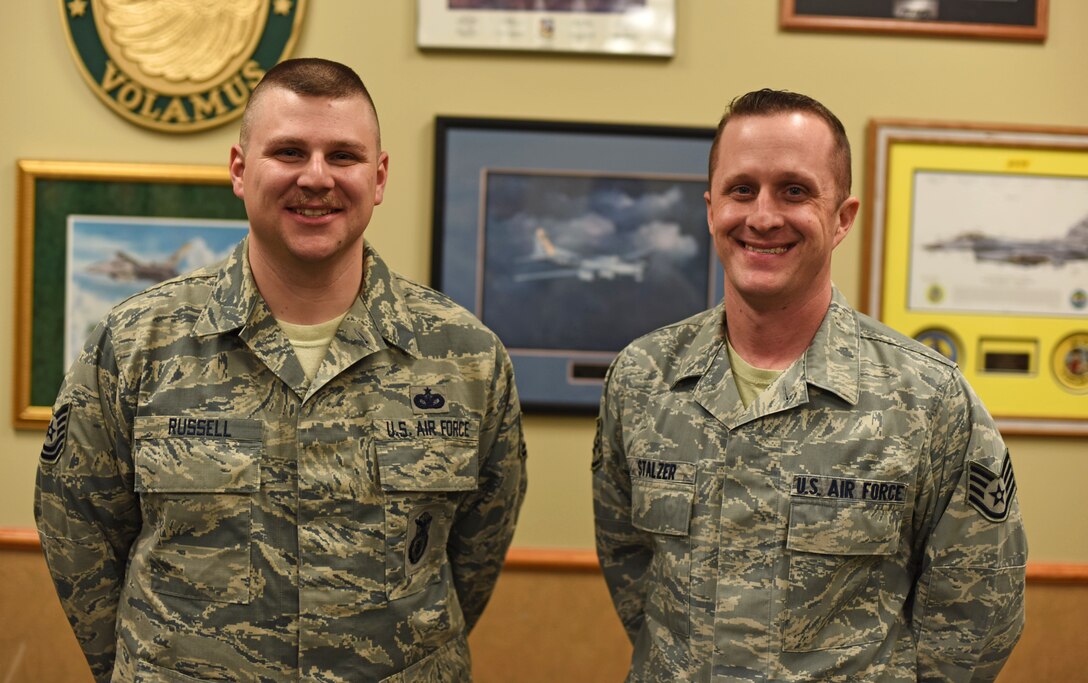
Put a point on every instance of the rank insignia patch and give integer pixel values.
(56, 435)
(991, 494)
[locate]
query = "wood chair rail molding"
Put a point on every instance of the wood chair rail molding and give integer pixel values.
(562, 560)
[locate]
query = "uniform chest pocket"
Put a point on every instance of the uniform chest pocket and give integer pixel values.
(838, 566)
(197, 497)
(422, 482)
(664, 510)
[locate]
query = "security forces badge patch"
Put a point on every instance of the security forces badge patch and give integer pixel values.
(991, 494)
(179, 66)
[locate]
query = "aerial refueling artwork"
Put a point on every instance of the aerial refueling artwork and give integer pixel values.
(110, 258)
(563, 251)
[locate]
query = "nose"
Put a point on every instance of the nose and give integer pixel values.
(765, 213)
(316, 175)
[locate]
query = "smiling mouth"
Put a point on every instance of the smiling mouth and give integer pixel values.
(767, 250)
(313, 213)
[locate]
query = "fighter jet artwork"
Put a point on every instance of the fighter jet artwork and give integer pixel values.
(584, 267)
(124, 267)
(1056, 251)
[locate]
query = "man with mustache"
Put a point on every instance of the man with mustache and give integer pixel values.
(784, 488)
(295, 464)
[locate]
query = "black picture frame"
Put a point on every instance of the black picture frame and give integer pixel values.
(569, 240)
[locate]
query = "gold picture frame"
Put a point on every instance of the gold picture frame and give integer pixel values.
(50, 195)
(975, 243)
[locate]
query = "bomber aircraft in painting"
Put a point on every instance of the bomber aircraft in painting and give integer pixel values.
(1056, 251)
(586, 268)
(125, 267)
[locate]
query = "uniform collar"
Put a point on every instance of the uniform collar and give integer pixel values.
(379, 317)
(708, 342)
(383, 299)
(831, 362)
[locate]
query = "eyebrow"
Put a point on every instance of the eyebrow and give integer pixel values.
(786, 177)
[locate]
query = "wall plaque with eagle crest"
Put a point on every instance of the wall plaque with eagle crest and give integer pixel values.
(179, 65)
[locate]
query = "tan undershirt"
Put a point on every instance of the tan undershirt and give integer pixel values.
(311, 342)
(751, 381)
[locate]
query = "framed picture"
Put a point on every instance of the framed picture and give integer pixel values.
(1002, 19)
(570, 240)
(976, 244)
(617, 27)
(92, 234)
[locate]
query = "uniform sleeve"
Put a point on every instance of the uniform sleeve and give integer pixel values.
(624, 551)
(485, 521)
(84, 505)
(969, 604)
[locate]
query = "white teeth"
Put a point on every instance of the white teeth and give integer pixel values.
(313, 213)
(775, 250)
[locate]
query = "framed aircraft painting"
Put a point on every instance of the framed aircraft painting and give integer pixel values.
(976, 244)
(92, 234)
(569, 240)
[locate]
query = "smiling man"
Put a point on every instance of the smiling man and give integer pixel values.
(295, 464)
(784, 488)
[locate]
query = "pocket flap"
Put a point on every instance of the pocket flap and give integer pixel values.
(427, 465)
(836, 528)
(217, 461)
(662, 508)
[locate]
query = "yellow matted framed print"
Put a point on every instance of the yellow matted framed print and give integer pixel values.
(976, 244)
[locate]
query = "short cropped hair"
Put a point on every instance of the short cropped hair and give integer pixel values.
(308, 76)
(767, 102)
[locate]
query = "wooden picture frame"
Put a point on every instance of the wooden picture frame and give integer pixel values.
(989, 19)
(976, 244)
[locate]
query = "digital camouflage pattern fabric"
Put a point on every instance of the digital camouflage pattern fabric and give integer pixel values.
(826, 533)
(214, 516)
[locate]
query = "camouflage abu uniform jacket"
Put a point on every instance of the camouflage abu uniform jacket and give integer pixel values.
(856, 522)
(209, 515)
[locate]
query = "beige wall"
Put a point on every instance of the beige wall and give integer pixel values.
(723, 49)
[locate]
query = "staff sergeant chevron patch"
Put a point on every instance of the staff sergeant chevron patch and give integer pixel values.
(991, 494)
(56, 434)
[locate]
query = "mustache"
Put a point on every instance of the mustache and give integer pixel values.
(327, 201)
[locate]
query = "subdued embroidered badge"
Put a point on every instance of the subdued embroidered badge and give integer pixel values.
(427, 399)
(991, 494)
